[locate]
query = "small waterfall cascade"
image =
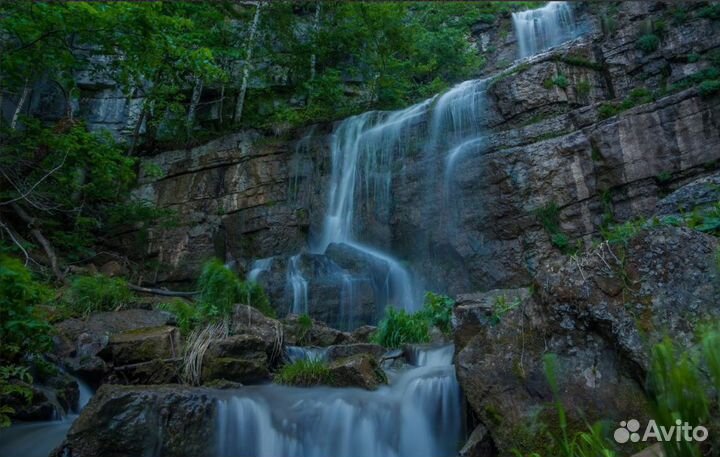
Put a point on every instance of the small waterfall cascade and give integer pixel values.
(540, 29)
(295, 353)
(419, 415)
(299, 286)
(258, 267)
(38, 439)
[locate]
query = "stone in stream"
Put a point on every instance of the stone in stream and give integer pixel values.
(361, 370)
(238, 358)
(129, 421)
(346, 350)
(317, 334)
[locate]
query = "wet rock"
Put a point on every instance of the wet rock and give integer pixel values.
(238, 358)
(698, 193)
(346, 350)
(79, 342)
(113, 268)
(317, 334)
(249, 321)
(363, 334)
(478, 444)
(143, 345)
(360, 370)
(158, 371)
(128, 421)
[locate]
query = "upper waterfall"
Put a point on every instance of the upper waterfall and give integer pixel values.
(543, 28)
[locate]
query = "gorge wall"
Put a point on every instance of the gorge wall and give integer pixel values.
(542, 135)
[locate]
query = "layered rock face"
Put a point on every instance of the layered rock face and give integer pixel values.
(543, 136)
(600, 313)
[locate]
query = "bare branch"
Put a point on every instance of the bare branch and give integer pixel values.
(24, 195)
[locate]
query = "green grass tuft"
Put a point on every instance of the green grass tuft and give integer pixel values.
(305, 373)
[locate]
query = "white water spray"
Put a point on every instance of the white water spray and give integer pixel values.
(543, 28)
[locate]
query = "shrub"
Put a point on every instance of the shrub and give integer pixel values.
(15, 382)
(306, 372)
(220, 289)
(648, 43)
(561, 81)
(438, 311)
(399, 327)
(97, 293)
(185, 312)
(710, 12)
(709, 87)
(23, 332)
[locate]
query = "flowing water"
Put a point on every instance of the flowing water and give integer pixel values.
(38, 439)
(540, 29)
(418, 415)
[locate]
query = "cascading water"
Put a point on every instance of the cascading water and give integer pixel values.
(299, 286)
(543, 28)
(258, 267)
(38, 439)
(417, 416)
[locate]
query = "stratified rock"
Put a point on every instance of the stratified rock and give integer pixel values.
(346, 350)
(158, 371)
(143, 345)
(79, 341)
(360, 370)
(238, 358)
(599, 313)
(698, 193)
(249, 321)
(127, 421)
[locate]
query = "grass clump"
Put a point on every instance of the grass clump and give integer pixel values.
(438, 311)
(501, 306)
(637, 97)
(549, 218)
(399, 327)
(648, 43)
(220, 290)
(709, 87)
(95, 293)
(305, 373)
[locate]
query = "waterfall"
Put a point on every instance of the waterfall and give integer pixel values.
(258, 267)
(299, 286)
(543, 28)
(419, 415)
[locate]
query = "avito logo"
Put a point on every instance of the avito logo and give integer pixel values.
(681, 431)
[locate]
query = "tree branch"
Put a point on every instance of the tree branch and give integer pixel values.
(163, 292)
(44, 242)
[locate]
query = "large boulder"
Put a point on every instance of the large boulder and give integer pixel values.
(238, 358)
(128, 421)
(340, 351)
(298, 333)
(142, 345)
(79, 342)
(247, 320)
(361, 370)
(600, 313)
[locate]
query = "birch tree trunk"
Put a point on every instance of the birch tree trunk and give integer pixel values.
(248, 62)
(197, 93)
(21, 103)
(316, 27)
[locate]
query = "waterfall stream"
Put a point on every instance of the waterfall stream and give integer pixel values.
(38, 439)
(418, 415)
(540, 29)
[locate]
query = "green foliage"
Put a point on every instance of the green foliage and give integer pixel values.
(561, 81)
(583, 88)
(623, 233)
(15, 382)
(501, 307)
(90, 294)
(682, 385)
(709, 87)
(549, 217)
(438, 311)
(637, 97)
(185, 312)
(648, 43)
(220, 290)
(399, 327)
(306, 373)
(305, 323)
(580, 61)
(23, 331)
(710, 12)
(562, 442)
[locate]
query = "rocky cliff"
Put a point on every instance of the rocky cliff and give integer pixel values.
(599, 128)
